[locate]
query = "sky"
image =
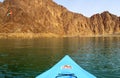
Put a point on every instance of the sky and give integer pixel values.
(1, 0)
(91, 7)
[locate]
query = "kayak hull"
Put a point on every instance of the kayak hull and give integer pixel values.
(68, 68)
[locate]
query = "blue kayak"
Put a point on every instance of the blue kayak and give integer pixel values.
(66, 68)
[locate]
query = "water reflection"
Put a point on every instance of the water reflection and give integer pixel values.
(28, 58)
(102, 55)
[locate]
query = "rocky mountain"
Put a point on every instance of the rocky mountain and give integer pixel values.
(105, 23)
(45, 16)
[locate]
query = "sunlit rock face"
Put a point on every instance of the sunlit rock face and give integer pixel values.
(105, 23)
(45, 16)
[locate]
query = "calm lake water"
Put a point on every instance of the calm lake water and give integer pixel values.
(29, 58)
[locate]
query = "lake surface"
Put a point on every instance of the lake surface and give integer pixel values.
(29, 58)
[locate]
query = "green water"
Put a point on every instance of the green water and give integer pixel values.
(28, 58)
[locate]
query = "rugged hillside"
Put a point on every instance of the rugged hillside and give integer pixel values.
(105, 23)
(45, 16)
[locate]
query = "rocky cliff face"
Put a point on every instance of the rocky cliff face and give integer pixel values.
(45, 16)
(105, 23)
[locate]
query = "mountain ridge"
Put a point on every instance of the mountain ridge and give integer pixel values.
(45, 16)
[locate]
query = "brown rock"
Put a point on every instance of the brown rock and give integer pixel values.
(105, 23)
(45, 16)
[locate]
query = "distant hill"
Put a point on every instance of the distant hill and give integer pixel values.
(45, 16)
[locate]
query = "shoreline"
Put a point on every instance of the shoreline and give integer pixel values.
(45, 35)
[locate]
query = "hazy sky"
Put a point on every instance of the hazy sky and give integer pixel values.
(1, 0)
(90, 7)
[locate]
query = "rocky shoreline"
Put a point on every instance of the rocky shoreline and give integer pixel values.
(46, 35)
(52, 20)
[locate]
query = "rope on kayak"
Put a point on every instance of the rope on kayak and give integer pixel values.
(71, 75)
